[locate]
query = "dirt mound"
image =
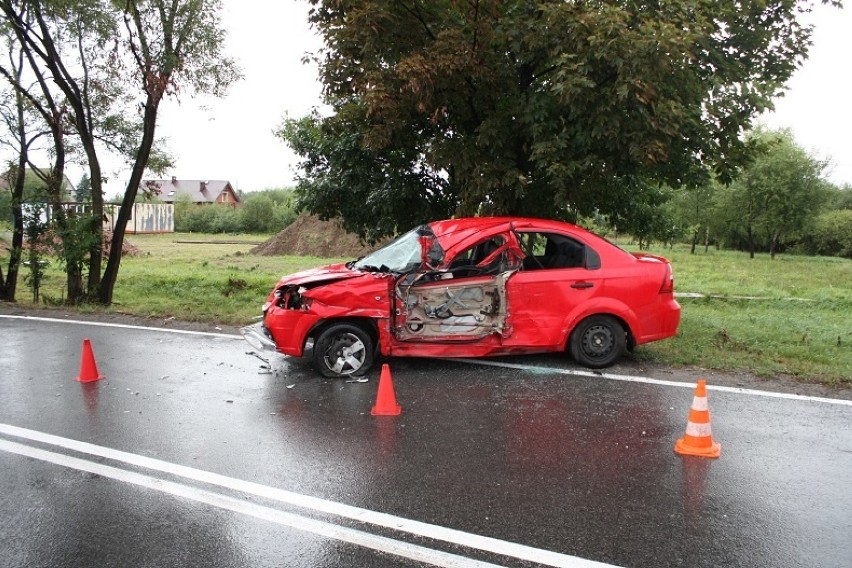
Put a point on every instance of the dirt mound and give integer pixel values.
(49, 244)
(308, 236)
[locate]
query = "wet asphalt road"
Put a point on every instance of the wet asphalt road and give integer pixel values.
(578, 470)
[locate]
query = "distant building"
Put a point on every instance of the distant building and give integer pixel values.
(198, 191)
(35, 187)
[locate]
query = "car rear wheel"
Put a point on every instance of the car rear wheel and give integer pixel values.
(598, 341)
(342, 350)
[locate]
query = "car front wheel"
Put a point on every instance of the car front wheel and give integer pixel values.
(597, 342)
(343, 350)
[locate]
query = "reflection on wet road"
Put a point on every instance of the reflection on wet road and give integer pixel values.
(187, 452)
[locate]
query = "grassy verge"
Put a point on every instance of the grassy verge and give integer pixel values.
(800, 326)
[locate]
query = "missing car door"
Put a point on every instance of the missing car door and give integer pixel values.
(461, 309)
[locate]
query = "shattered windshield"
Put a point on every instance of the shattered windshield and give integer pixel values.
(401, 256)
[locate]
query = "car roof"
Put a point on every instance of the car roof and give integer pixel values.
(449, 232)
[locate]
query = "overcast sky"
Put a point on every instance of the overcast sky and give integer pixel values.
(232, 138)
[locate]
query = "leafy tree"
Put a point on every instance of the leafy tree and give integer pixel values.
(539, 107)
(283, 207)
(776, 194)
(256, 214)
(9, 281)
(376, 191)
(283, 215)
(35, 228)
(47, 102)
(174, 47)
(839, 197)
(831, 234)
(65, 46)
(114, 62)
(83, 191)
(12, 110)
(651, 218)
(694, 210)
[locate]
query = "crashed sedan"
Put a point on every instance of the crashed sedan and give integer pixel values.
(473, 287)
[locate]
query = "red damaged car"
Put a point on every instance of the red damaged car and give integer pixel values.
(473, 287)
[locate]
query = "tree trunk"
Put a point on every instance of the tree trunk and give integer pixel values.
(773, 244)
(750, 242)
(149, 124)
(96, 252)
(9, 286)
(76, 293)
(694, 241)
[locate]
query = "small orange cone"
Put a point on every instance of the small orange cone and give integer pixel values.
(88, 367)
(698, 440)
(386, 404)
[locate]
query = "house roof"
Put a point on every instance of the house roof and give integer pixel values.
(199, 191)
(32, 180)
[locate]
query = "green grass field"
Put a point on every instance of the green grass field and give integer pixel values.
(800, 324)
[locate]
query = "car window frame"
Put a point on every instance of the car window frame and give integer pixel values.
(591, 259)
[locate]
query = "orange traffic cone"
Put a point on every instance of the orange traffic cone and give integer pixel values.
(698, 440)
(386, 404)
(88, 367)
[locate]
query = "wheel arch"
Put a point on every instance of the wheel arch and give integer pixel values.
(621, 314)
(367, 324)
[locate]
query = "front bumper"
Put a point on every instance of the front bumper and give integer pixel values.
(259, 337)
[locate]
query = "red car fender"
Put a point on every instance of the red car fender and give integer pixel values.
(344, 302)
(326, 312)
(600, 306)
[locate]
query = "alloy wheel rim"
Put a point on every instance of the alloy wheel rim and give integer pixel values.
(346, 354)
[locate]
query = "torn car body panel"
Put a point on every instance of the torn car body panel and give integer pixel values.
(450, 310)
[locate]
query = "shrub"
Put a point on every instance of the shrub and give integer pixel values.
(266, 211)
(207, 219)
(831, 234)
(256, 215)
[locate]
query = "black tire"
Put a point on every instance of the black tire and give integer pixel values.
(343, 350)
(597, 342)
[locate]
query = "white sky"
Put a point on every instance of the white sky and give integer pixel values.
(232, 138)
(816, 106)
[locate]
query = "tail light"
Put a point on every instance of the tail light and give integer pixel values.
(668, 281)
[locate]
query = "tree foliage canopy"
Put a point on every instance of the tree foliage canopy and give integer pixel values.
(102, 68)
(777, 193)
(543, 107)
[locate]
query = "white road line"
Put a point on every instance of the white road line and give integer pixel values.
(647, 380)
(452, 536)
(530, 368)
(298, 522)
(124, 326)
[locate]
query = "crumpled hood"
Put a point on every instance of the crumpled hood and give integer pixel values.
(320, 275)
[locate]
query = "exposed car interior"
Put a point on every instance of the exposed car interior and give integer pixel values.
(555, 251)
(469, 303)
(469, 262)
(469, 307)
